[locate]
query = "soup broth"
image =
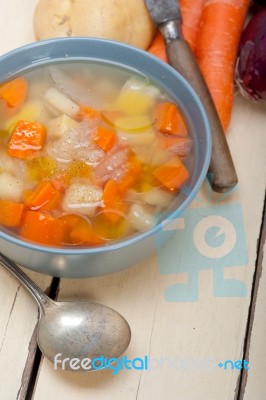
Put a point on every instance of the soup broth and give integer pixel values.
(89, 153)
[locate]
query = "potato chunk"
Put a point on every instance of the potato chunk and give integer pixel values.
(11, 188)
(140, 218)
(82, 198)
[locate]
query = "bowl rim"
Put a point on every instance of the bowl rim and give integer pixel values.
(118, 244)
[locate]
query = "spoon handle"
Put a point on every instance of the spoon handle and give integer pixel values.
(41, 298)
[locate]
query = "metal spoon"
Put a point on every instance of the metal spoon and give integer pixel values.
(72, 334)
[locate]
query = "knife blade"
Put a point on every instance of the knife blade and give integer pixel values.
(163, 11)
(167, 16)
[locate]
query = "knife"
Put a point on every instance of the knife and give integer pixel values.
(167, 16)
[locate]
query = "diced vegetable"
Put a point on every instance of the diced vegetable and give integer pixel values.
(111, 116)
(172, 174)
(40, 167)
(76, 169)
(132, 139)
(135, 123)
(75, 144)
(88, 113)
(11, 188)
(140, 218)
(60, 126)
(11, 213)
(82, 198)
(78, 231)
(157, 197)
(73, 90)
(133, 102)
(110, 231)
(141, 85)
(159, 155)
(27, 138)
(169, 120)
(111, 163)
(8, 164)
(61, 103)
(131, 176)
(104, 137)
(14, 92)
(251, 64)
(181, 146)
(42, 228)
(86, 236)
(113, 206)
(44, 197)
(30, 111)
(107, 89)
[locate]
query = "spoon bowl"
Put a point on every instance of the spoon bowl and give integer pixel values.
(82, 331)
(77, 336)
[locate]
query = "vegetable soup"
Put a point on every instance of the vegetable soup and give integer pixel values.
(89, 153)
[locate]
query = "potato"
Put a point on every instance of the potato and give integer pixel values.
(60, 126)
(126, 21)
(82, 198)
(140, 218)
(11, 188)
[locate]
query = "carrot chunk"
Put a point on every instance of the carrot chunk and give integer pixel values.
(42, 228)
(86, 236)
(44, 197)
(27, 138)
(104, 138)
(88, 113)
(131, 176)
(14, 92)
(112, 202)
(169, 120)
(78, 231)
(172, 174)
(10, 213)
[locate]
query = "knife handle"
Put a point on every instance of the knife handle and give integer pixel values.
(221, 169)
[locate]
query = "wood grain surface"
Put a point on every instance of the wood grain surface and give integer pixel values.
(185, 315)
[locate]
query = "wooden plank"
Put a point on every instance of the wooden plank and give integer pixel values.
(18, 316)
(189, 338)
(18, 312)
(253, 385)
(16, 24)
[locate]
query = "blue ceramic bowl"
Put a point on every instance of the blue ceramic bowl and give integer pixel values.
(84, 262)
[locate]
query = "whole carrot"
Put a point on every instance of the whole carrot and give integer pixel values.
(216, 50)
(191, 12)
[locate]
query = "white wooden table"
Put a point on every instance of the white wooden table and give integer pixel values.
(187, 315)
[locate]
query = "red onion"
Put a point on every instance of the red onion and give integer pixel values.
(251, 63)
